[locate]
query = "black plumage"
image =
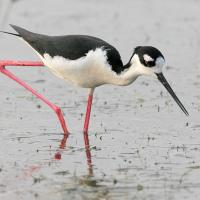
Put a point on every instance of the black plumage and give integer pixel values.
(70, 46)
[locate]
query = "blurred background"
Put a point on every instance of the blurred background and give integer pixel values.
(142, 145)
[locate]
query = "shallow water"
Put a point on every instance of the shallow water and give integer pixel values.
(141, 144)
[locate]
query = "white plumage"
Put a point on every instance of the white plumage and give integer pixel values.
(89, 71)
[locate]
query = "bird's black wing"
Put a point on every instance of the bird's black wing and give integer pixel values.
(70, 46)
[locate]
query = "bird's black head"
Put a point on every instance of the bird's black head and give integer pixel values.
(148, 60)
(148, 55)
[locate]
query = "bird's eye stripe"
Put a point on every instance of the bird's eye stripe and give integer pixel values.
(150, 63)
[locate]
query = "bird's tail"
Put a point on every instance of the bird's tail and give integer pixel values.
(10, 33)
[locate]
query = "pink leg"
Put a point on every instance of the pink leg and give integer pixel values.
(52, 106)
(21, 63)
(88, 111)
(86, 138)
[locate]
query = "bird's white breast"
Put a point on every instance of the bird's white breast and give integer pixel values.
(89, 71)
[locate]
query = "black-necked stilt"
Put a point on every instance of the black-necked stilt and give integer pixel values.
(89, 62)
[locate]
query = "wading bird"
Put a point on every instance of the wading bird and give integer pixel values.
(89, 62)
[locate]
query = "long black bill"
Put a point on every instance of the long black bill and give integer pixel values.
(162, 79)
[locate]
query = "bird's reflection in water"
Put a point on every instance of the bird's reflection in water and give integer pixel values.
(62, 146)
(89, 179)
(88, 154)
(58, 154)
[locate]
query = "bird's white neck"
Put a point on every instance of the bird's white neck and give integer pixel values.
(134, 70)
(128, 76)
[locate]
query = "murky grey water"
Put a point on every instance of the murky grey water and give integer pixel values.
(141, 144)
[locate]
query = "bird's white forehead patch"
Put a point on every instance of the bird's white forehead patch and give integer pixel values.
(160, 61)
(147, 58)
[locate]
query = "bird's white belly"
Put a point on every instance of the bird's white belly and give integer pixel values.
(89, 71)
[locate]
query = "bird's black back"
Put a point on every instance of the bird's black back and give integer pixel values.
(70, 46)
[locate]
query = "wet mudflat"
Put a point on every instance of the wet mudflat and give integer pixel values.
(141, 144)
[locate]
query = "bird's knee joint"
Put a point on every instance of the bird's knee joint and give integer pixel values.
(57, 109)
(2, 67)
